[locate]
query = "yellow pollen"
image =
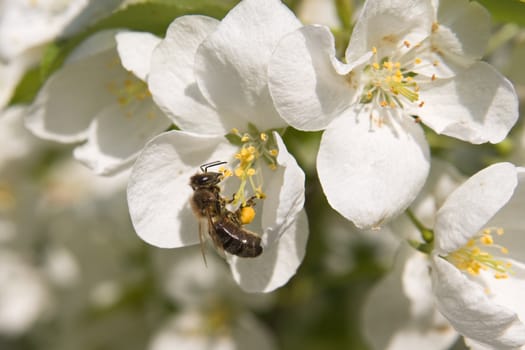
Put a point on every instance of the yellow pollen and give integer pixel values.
(250, 172)
(384, 103)
(273, 152)
(435, 27)
(417, 60)
(406, 43)
(388, 65)
(374, 50)
(235, 131)
(397, 65)
(247, 214)
(245, 138)
(375, 65)
(263, 136)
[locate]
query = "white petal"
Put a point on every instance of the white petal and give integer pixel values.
(387, 25)
(468, 209)
(73, 95)
(399, 312)
(508, 292)
(459, 40)
(26, 24)
(469, 22)
(135, 49)
(172, 82)
(231, 64)
(284, 194)
(189, 330)
(98, 43)
(511, 219)
(308, 91)
(477, 106)
(159, 191)
(117, 135)
(468, 308)
(24, 296)
(278, 262)
(372, 173)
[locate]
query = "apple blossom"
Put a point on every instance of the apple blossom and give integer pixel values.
(102, 99)
(400, 312)
(407, 62)
(210, 78)
(477, 263)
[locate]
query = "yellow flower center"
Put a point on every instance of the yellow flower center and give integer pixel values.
(129, 91)
(475, 256)
(388, 83)
(254, 147)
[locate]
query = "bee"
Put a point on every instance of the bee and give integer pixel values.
(223, 225)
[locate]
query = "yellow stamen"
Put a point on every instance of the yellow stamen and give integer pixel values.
(472, 259)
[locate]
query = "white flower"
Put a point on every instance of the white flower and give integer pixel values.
(99, 97)
(26, 24)
(17, 141)
(24, 296)
(191, 330)
(477, 271)
(402, 66)
(210, 77)
(399, 312)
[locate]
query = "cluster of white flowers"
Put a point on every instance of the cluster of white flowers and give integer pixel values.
(193, 122)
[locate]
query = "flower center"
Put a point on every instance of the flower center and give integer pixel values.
(389, 83)
(475, 256)
(129, 90)
(254, 147)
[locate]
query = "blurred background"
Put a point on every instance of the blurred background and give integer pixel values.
(73, 273)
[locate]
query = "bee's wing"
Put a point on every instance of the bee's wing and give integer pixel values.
(214, 236)
(202, 227)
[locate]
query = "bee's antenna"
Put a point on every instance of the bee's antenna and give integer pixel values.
(204, 167)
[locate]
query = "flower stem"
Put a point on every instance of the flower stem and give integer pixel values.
(426, 233)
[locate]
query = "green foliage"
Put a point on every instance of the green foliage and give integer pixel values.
(506, 10)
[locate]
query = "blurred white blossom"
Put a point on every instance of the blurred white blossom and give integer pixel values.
(108, 104)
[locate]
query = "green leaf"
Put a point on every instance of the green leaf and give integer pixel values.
(28, 87)
(506, 10)
(154, 16)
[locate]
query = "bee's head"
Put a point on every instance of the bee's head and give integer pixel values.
(205, 180)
